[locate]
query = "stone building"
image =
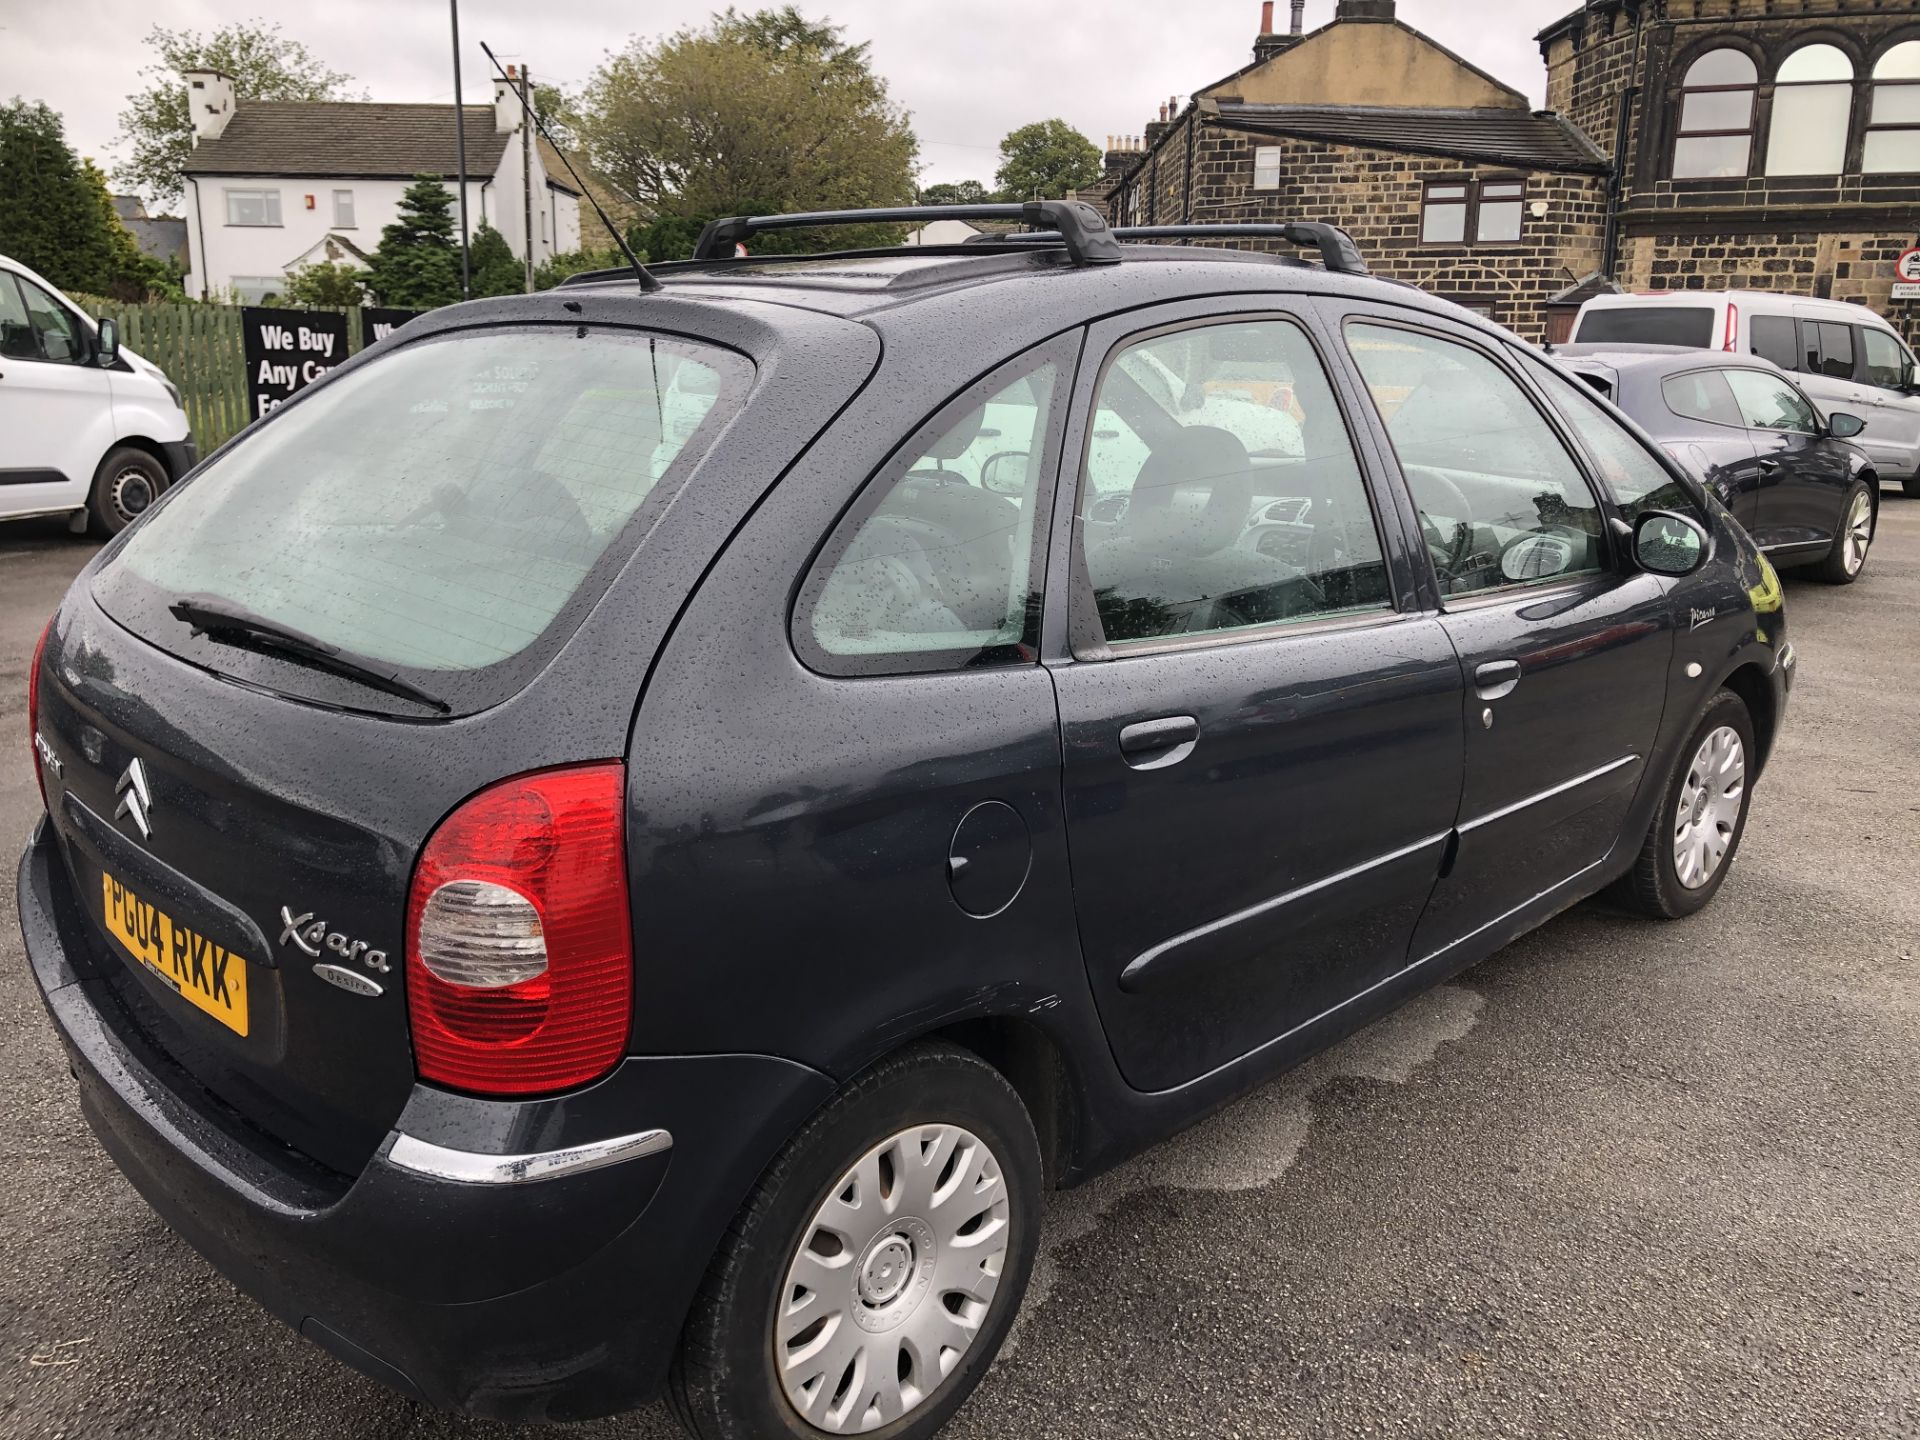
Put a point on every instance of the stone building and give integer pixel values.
(1446, 176)
(1770, 144)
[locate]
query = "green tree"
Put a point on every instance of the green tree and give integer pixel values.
(418, 263)
(325, 283)
(551, 272)
(1046, 159)
(157, 125)
(769, 108)
(56, 216)
(494, 268)
(964, 192)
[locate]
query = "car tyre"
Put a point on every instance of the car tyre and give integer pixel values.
(1696, 828)
(751, 1335)
(1848, 557)
(127, 482)
(1910, 487)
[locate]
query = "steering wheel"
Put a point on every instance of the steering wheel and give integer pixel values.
(1448, 556)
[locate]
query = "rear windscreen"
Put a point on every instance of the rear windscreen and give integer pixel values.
(437, 507)
(1689, 325)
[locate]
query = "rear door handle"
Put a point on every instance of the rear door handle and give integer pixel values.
(1767, 467)
(1495, 679)
(1156, 744)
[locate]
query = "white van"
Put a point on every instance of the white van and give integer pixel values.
(87, 428)
(1844, 356)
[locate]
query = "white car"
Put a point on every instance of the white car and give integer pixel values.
(87, 428)
(1844, 356)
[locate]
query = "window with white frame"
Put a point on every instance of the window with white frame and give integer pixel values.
(253, 289)
(253, 207)
(1266, 168)
(343, 210)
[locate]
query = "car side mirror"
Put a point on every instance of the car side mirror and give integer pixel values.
(1668, 544)
(1843, 426)
(107, 343)
(1006, 472)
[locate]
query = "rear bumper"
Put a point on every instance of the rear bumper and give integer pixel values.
(506, 1292)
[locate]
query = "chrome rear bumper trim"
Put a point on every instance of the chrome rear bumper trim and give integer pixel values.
(468, 1167)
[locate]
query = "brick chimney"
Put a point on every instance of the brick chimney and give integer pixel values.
(210, 102)
(1157, 128)
(1363, 10)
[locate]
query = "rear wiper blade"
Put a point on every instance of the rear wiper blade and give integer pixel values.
(226, 623)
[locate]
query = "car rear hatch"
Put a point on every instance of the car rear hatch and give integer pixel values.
(469, 542)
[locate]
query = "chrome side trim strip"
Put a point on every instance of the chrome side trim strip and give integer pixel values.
(468, 1167)
(1560, 789)
(1137, 966)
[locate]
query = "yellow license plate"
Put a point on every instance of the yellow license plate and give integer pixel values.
(193, 967)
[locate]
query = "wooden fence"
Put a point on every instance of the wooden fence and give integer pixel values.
(199, 347)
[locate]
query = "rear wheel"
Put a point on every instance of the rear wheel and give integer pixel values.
(867, 1283)
(127, 482)
(1848, 556)
(1696, 829)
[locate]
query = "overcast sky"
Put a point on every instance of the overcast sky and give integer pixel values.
(967, 70)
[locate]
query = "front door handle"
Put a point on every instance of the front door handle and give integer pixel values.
(1156, 744)
(1767, 467)
(1495, 679)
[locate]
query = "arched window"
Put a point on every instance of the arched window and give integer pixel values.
(1893, 124)
(1812, 105)
(1716, 116)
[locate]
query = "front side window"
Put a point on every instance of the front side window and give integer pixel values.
(253, 207)
(1245, 507)
(1886, 361)
(437, 508)
(1893, 119)
(1812, 105)
(343, 210)
(1716, 116)
(1266, 167)
(1638, 481)
(17, 340)
(1769, 403)
(1703, 395)
(1775, 338)
(1501, 499)
(1829, 348)
(936, 567)
(55, 328)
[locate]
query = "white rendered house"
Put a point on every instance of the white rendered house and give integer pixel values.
(272, 185)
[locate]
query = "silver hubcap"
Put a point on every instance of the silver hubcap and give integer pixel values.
(1859, 534)
(892, 1280)
(132, 492)
(1709, 807)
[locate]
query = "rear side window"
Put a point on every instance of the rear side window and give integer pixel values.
(1775, 339)
(936, 566)
(1703, 395)
(1829, 348)
(438, 507)
(1769, 403)
(1689, 325)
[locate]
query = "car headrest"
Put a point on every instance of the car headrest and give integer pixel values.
(1163, 514)
(953, 444)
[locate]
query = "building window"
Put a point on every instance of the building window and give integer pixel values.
(1893, 123)
(1812, 104)
(343, 210)
(1266, 168)
(1716, 117)
(253, 207)
(255, 289)
(1487, 210)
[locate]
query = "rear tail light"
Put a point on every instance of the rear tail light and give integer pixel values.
(33, 709)
(1733, 327)
(519, 938)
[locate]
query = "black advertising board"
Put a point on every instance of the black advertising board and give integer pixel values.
(287, 350)
(375, 322)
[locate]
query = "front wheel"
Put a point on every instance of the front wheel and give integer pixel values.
(870, 1278)
(1848, 557)
(1697, 827)
(127, 482)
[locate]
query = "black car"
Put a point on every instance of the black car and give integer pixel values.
(624, 837)
(1786, 471)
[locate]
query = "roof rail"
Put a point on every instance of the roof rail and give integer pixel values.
(1337, 250)
(1081, 228)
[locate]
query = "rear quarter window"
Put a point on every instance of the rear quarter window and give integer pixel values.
(1689, 325)
(436, 509)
